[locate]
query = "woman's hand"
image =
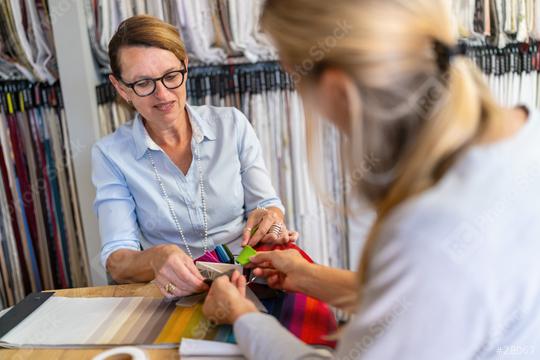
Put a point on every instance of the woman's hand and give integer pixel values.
(226, 300)
(283, 269)
(288, 270)
(175, 273)
(267, 226)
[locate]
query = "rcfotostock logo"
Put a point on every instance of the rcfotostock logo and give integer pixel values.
(318, 51)
(59, 8)
(463, 241)
(377, 329)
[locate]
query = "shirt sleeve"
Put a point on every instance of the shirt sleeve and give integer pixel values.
(114, 207)
(258, 189)
(257, 344)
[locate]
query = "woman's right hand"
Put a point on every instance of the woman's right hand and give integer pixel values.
(173, 266)
(283, 269)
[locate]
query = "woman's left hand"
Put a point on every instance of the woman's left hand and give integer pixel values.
(270, 228)
(226, 301)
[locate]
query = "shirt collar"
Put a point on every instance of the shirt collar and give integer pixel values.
(200, 127)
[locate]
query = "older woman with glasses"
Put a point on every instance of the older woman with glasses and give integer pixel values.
(178, 180)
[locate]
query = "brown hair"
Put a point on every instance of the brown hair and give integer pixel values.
(144, 30)
(387, 48)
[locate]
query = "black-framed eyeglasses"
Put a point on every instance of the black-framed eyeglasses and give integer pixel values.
(146, 87)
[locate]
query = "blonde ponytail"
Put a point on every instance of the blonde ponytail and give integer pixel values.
(464, 116)
(411, 117)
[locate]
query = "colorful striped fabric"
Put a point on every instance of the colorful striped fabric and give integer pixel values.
(307, 318)
(191, 323)
(311, 320)
(155, 321)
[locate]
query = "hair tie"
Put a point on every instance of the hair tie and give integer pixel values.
(445, 53)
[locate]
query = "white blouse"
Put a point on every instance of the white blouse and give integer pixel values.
(455, 273)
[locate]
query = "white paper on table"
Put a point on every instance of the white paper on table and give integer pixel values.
(211, 349)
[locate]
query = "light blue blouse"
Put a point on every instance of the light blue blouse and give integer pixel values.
(131, 209)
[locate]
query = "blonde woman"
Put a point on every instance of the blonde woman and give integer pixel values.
(450, 269)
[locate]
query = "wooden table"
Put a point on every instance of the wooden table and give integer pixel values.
(148, 290)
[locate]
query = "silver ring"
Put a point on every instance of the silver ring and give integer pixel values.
(275, 229)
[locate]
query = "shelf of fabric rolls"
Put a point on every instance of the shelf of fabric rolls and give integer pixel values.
(45, 226)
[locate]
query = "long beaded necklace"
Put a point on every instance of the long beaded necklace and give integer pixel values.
(171, 209)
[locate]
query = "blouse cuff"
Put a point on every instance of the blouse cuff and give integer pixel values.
(113, 246)
(257, 335)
